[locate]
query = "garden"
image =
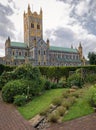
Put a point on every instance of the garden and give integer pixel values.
(57, 93)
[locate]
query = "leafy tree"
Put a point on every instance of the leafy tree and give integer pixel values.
(92, 58)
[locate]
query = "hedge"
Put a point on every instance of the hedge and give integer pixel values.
(59, 72)
(6, 68)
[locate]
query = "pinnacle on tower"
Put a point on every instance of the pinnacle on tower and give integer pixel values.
(29, 11)
(40, 10)
(80, 45)
(8, 38)
(72, 46)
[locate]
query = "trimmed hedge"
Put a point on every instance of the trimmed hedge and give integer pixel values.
(58, 72)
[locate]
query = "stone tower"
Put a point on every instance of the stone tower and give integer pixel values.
(80, 50)
(32, 27)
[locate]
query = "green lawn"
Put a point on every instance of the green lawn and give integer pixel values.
(80, 108)
(39, 103)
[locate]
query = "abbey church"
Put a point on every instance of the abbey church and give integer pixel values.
(35, 50)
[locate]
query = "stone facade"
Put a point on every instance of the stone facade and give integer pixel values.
(35, 50)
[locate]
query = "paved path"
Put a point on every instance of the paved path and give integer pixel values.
(10, 119)
(83, 123)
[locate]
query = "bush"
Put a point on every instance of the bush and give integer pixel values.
(91, 96)
(13, 88)
(53, 117)
(75, 79)
(27, 71)
(20, 100)
(47, 85)
(18, 87)
(65, 94)
(57, 101)
(5, 77)
(67, 103)
(61, 110)
(91, 78)
(53, 85)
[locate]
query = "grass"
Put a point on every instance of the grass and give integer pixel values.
(79, 109)
(39, 103)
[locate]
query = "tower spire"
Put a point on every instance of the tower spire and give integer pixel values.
(29, 11)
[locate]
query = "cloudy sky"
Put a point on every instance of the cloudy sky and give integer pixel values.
(65, 22)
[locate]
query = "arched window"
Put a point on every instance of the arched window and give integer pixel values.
(19, 53)
(38, 26)
(44, 52)
(39, 52)
(32, 25)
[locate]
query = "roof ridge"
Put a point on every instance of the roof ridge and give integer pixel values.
(17, 42)
(63, 47)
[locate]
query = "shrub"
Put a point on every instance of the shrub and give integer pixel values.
(57, 101)
(27, 71)
(53, 85)
(13, 88)
(91, 78)
(75, 79)
(68, 102)
(47, 85)
(4, 78)
(61, 110)
(65, 94)
(91, 96)
(20, 100)
(18, 87)
(53, 117)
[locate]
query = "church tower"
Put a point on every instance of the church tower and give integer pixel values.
(32, 27)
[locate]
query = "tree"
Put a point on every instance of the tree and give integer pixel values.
(92, 58)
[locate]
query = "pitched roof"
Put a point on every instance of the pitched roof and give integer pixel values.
(18, 44)
(69, 60)
(54, 48)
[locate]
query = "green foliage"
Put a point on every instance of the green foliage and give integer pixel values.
(91, 96)
(27, 72)
(75, 79)
(92, 58)
(13, 88)
(53, 117)
(44, 112)
(57, 101)
(18, 87)
(61, 110)
(54, 85)
(47, 85)
(6, 68)
(24, 79)
(90, 78)
(5, 77)
(20, 100)
(40, 103)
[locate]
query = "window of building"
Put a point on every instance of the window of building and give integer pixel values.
(13, 53)
(25, 53)
(32, 25)
(39, 52)
(19, 53)
(44, 63)
(44, 52)
(38, 26)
